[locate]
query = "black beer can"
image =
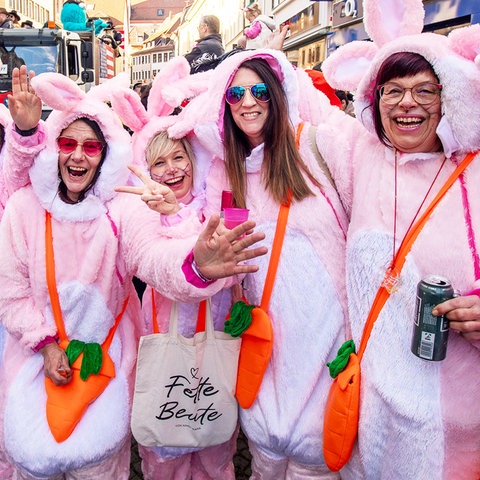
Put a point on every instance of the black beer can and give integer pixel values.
(430, 333)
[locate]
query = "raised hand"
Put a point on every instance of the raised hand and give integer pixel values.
(219, 252)
(24, 105)
(158, 197)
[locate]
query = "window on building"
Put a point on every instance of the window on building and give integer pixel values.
(160, 12)
(154, 58)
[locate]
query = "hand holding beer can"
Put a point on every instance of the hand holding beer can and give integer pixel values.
(430, 333)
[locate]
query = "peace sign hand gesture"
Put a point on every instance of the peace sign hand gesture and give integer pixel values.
(158, 197)
(24, 105)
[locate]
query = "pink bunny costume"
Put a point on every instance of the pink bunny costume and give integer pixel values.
(308, 303)
(170, 86)
(99, 244)
(418, 419)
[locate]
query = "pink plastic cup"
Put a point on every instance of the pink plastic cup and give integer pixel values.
(235, 216)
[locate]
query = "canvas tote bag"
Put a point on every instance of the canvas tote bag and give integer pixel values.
(185, 387)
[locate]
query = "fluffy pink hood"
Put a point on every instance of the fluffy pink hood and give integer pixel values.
(395, 26)
(170, 88)
(70, 103)
(204, 115)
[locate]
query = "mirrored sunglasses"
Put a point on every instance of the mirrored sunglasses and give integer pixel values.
(259, 91)
(90, 147)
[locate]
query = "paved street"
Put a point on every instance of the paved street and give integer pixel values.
(241, 461)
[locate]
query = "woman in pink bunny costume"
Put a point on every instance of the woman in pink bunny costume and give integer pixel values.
(417, 96)
(100, 240)
(308, 303)
(173, 162)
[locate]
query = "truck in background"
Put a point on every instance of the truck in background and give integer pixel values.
(86, 59)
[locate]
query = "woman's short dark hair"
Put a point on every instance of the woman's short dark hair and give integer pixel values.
(402, 64)
(101, 137)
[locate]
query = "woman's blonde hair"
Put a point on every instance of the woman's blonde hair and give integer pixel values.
(254, 8)
(161, 144)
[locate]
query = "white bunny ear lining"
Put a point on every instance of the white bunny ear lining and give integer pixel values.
(127, 105)
(386, 20)
(466, 42)
(57, 91)
(346, 67)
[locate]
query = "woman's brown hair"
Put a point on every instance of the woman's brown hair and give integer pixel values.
(282, 165)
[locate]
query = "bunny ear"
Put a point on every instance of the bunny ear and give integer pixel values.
(175, 70)
(346, 66)
(57, 91)
(466, 42)
(188, 87)
(127, 105)
(104, 91)
(386, 20)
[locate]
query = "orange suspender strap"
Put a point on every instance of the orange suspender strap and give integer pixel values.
(202, 312)
(52, 289)
(275, 255)
(51, 280)
(277, 242)
(399, 260)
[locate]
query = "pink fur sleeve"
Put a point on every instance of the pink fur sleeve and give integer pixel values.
(20, 152)
(19, 310)
(154, 258)
(254, 30)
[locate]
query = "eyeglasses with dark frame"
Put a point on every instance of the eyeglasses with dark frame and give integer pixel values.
(423, 93)
(259, 92)
(91, 148)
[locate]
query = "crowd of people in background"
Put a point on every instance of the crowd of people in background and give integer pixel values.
(356, 174)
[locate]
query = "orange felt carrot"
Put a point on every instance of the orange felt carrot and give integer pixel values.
(66, 404)
(255, 327)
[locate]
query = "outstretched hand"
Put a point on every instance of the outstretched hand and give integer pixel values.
(219, 252)
(158, 197)
(24, 105)
(464, 315)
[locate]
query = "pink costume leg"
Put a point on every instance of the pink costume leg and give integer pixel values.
(117, 467)
(21, 475)
(6, 469)
(265, 467)
(158, 468)
(295, 471)
(215, 463)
